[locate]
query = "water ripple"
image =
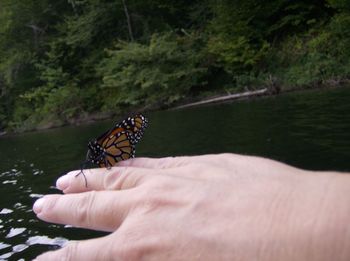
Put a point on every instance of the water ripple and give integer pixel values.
(44, 240)
(14, 182)
(19, 248)
(6, 256)
(3, 245)
(15, 231)
(19, 206)
(34, 240)
(6, 211)
(33, 195)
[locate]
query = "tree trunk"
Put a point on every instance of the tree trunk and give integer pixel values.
(37, 31)
(131, 35)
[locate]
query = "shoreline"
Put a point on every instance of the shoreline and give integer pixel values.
(96, 117)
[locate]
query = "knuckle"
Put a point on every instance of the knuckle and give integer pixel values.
(153, 203)
(84, 207)
(132, 245)
(53, 203)
(126, 178)
(197, 167)
(164, 162)
(172, 162)
(126, 251)
(122, 178)
(70, 251)
(155, 195)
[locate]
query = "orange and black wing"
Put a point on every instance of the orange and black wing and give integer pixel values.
(108, 134)
(117, 147)
(135, 125)
(118, 143)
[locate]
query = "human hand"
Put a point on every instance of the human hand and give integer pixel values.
(211, 207)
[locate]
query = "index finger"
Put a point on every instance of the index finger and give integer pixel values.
(98, 210)
(159, 163)
(116, 178)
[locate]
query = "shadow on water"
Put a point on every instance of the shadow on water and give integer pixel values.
(308, 129)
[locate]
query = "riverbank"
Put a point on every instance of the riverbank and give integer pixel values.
(86, 67)
(190, 102)
(90, 118)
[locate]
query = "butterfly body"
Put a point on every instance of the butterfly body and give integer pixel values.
(116, 144)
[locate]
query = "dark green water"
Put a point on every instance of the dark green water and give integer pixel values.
(309, 129)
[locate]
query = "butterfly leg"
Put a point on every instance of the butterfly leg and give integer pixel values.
(107, 164)
(82, 166)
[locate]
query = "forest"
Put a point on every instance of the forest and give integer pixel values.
(66, 61)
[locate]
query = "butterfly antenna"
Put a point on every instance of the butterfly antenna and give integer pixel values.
(82, 166)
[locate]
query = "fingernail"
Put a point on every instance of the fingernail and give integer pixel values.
(63, 182)
(38, 205)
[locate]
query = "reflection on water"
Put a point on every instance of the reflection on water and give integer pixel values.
(307, 129)
(29, 166)
(15, 231)
(16, 217)
(34, 240)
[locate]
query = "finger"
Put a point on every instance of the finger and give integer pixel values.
(171, 162)
(129, 172)
(116, 178)
(80, 181)
(122, 178)
(103, 210)
(158, 163)
(92, 249)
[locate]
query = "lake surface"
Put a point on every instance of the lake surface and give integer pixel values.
(309, 129)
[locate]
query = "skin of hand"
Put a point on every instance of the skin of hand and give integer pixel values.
(210, 207)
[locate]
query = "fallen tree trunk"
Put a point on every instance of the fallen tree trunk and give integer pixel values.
(226, 98)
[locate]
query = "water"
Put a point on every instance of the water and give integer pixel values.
(310, 129)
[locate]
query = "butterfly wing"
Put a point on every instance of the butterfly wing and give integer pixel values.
(117, 147)
(109, 133)
(135, 126)
(117, 144)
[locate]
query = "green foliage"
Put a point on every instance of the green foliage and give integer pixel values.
(340, 4)
(62, 60)
(310, 60)
(238, 53)
(160, 72)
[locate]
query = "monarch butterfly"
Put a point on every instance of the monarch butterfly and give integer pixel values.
(116, 144)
